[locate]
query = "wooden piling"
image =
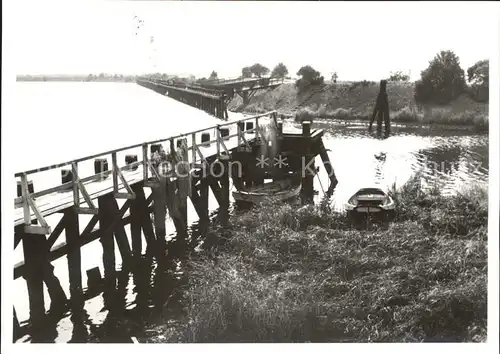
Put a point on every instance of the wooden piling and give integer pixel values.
(35, 252)
(308, 168)
(204, 207)
(108, 248)
(136, 221)
(74, 258)
(159, 212)
(122, 239)
(184, 188)
(224, 182)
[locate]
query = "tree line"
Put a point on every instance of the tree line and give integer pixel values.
(102, 77)
(441, 82)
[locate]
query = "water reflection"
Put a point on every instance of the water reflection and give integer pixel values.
(448, 159)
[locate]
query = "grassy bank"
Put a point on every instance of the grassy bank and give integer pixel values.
(355, 101)
(288, 274)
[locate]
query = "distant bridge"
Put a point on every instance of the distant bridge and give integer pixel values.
(244, 87)
(211, 96)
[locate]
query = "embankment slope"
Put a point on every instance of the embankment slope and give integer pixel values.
(355, 100)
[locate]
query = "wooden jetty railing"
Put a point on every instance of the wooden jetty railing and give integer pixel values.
(30, 210)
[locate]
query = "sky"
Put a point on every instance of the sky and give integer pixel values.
(359, 41)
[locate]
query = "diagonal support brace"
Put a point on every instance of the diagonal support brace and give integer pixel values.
(44, 228)
(117, 173)
(77, 188)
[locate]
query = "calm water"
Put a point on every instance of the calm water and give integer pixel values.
(116, 115)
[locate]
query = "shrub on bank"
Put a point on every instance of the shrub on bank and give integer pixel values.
(288, 274)
(308, 113)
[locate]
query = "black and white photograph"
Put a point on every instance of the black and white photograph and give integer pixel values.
(241, 172)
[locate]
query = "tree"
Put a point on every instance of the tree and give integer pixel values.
(478, 76)
(280, 71)
(213, 76)
(399, 76)
(309, 77)
(479, 73)
(246, 72)
(335, 77)
(442, 81)
(259, 70)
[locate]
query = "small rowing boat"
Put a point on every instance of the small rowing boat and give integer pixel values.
(280, 190)
(370, 200)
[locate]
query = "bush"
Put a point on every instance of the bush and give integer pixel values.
(398, 76)
(478, 76)
(442, 81)
(309, 77)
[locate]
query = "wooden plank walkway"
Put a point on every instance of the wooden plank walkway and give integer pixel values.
(78, 192)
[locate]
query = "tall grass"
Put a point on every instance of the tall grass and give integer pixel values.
(288, 274)
(432, 115)
(441, 115)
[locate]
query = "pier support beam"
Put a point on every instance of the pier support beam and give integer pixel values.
(108, 249)
(136, 221)
(204, 194)
(308, 169)
(74, 259)
(35, 252)
(159, 212)
(224, 182)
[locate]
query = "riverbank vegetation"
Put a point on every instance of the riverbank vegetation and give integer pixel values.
(290, 274)
(440, 96)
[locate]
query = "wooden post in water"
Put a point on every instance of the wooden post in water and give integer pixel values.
(106, 209)
(74, 259)
(121, 238)
(307, 166)
(224, 181)
(136, 221)
(159, 210)
(35, 252)
(204, 207)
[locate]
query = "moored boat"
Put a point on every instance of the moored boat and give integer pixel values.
(280, 190)
(370, 201)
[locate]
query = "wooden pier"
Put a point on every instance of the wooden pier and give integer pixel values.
(154, 186)
(212, 96)
(212, 101)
